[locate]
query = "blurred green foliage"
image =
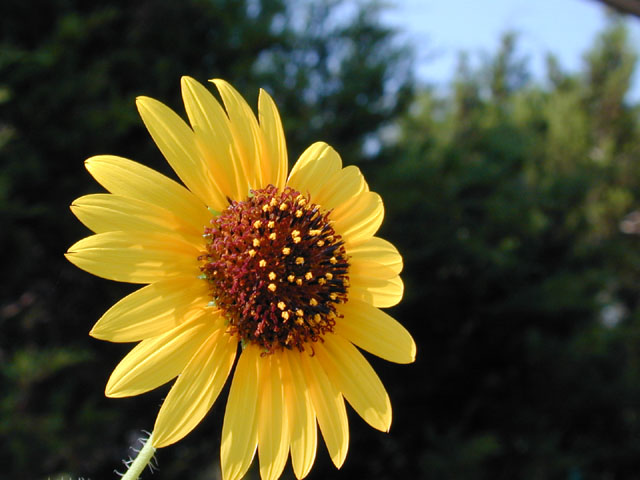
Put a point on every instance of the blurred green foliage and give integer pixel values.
(506, 198)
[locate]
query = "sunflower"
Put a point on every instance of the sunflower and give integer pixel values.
(282, 272)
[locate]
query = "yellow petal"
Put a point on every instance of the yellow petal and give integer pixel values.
(245, 131)
(301, 415)
(375, 257)
(214, 138)
(177, 143)
(152, 310)
(135, 257)
(354, 377)
(314, 168)
(133, 180)
(274, 163)
(329, 406)
(273, 431)
(103, 212)
(155, 361)
(379, 292)
(376, 332)
(196, 389)
(240, 428)
(359, 219)
(340, 188)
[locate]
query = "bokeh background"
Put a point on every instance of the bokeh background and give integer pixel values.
(515, 201)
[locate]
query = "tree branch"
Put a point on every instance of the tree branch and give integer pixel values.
(624, 6)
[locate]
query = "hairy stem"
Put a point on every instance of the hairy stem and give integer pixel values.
(142, 460)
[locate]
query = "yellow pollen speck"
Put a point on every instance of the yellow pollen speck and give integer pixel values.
(298, 213)
(272, 236)
(322, 281)
(314, 233)
(333, 296)
(273, 202)
(299, 281)
(285, 315)
(265, 208)
(313, 302)
(308, 275)
(271, 224)
(291, 278)
(286, 251)
(316, 317)
(296, 240)
(295, 233)
(272, 287)
(345, 282)
(320, 243)
(257, 224)
(262, 263)
(333, 260)
(272, 276)
(299, 321)
(302, 202)
(330, 238)
(252, 253)
(256, 242)
(283, 206)
(282, 305)
(299, 312)
(329, 275)
(299, 261)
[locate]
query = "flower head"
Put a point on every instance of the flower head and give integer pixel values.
(284, 273)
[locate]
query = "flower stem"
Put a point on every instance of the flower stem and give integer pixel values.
(142, 460)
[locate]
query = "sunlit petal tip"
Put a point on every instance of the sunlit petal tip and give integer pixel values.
(186, 80)
(264, 99)
(413, 351)
(97, 333)
(112, 391)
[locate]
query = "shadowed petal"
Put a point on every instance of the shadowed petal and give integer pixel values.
(375, 257)
(379, 292)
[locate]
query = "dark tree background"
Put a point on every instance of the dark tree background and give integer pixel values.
(514, 204)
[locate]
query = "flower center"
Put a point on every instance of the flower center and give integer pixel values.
(277, 269)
